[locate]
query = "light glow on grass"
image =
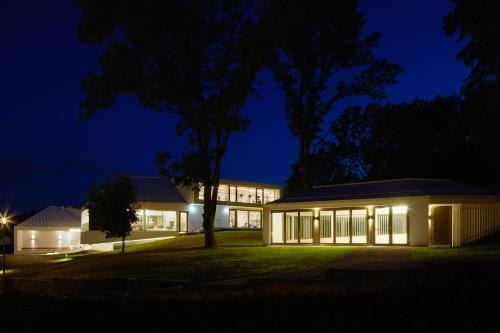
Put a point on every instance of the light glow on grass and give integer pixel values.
(184, 258)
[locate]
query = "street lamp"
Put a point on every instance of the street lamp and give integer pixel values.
(4, 225)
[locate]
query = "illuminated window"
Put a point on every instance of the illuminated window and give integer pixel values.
(255, 219)
(359, 226)
(382, 225)
(306, 227)
(399, 225)
(326, 226)
(223, 193)
(291, 227)
(342, 227)
(277, 228)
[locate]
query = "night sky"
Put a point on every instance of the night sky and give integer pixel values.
(49, 157)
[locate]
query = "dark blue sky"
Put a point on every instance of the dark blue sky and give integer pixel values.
(48, 156)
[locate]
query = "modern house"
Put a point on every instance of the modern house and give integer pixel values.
(53, 228)
(416, 212)
(167, 210)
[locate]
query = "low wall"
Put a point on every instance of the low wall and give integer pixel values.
(92, 237)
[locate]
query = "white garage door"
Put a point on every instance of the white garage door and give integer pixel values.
(48, 239)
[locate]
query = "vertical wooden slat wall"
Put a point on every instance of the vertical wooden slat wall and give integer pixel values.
(474, 221)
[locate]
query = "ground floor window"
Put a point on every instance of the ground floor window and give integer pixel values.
(391, 225)
(158, 220)
(341, 226)
(240, 218)
(277, 230)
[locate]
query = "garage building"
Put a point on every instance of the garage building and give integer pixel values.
(53, 228)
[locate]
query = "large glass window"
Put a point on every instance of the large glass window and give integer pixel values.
(242, 219)
(382, 225)
(154, 220)
(359, 226)
(260, 195)
(223, 193)
(326, 226)
(255, 219)
(399, 225)
(277, 228)
(170, 221)
(232, 193)
(239, 218)
(232, 218)
(342, 227)
(306, 227)
(139, 225)
(243, 194)
(292, 227)
(269, 195)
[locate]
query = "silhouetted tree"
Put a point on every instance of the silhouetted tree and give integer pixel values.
(112, 208)
(195, 59)
(476, 24)
(417, 139)
(323, 58)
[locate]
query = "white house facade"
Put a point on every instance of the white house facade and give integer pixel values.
(167, 210)
(415, 212)
(52, 229)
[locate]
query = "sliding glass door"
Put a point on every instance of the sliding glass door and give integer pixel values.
(292, 227)
(326, 227)
(306, 227)
(399, 225)
(391, 225)
(342, 234)
(359, 226)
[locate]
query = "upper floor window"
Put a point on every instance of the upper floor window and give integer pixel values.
(244, 194)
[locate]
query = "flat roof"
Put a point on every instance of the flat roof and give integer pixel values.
(405, 187)
(248, 183)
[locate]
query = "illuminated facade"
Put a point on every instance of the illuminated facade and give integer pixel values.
(52, 229)
(166, 210)
(416, 212)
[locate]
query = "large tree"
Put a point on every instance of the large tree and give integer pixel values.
(112, 208)
(475, 23)
(424, 138)
(193, 58)
(322, 58)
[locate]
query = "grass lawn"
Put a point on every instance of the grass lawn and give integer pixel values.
(240, 253)
(486, 247)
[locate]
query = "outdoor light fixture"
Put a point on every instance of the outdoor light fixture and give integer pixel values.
(4, 220)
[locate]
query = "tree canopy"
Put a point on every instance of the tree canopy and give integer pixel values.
(321, 58)
(195, 59)
(112, 208)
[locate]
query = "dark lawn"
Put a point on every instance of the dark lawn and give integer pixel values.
(182, 259)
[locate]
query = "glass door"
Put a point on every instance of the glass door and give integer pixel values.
(382, 225)
(306, 227)
(292, 227)
(359, 226)
(326, 227)
(183, 221)
(342, 234)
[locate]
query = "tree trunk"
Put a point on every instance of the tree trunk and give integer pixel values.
(305, 165)
(123, 244)
(208, 218)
